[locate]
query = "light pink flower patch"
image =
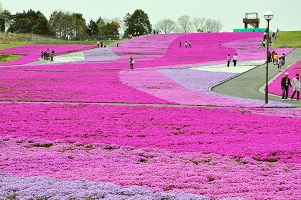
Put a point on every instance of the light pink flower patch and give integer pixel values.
(157, 84)
(159, 170)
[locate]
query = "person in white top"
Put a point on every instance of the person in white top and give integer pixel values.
(296, 86)
(235, 57)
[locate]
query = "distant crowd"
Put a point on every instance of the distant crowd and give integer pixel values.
(276, 60)
(47, 55)
(186, 44)
(101, 45)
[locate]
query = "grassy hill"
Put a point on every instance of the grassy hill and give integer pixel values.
(288, 38)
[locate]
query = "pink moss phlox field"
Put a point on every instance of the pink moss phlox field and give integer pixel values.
(145, 47)
(217, 153)
(275, 86)
(216, 131)
(58, 86)
(248, 49)
(158, 170)
(204, 48)
(31, 53)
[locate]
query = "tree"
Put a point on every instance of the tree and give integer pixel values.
(212, 25)
(185, 23)
(138, 23)
(93, 28)
(198, 23)
(79, 25)
(166, 25)
(63, 24)
(30, 22)
(121, 26)
(42, 26)
(7, 17)
(2, 21)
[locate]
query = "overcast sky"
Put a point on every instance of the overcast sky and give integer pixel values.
(229, 12)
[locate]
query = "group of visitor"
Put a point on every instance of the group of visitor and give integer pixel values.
(186, 44)
(47, 55)
(101, 44)
(286, 83)
(235, 57)
(276, 60)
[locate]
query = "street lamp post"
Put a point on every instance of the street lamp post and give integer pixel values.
(268, 16)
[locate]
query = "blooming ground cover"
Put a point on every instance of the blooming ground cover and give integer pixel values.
(31, 53)
(275, 86)
(59, 139)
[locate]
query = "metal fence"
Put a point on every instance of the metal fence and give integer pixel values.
(32, 38)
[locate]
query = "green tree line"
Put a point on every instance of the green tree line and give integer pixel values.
(67, 25)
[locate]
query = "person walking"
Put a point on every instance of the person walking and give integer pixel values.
(283, 58)
(180, 44)
(51, 55)
(275, 58)
(296, 86)
(269, 56)
(280, 64)
(132, 63)
(235, 57)
(285, 84)
(228, 60)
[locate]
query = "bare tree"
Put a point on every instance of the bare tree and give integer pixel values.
(198, 23)
(166, 25)
(212, 25)
(185, 23)
(216, 26)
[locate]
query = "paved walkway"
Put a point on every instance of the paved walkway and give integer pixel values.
(250, 84)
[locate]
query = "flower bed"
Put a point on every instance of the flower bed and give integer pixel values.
(31, 53)
(170, 151)
(174, 129)
(158, 170)
(70, 87)
(275, 86)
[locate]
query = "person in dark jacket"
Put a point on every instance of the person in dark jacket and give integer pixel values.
(285, 84)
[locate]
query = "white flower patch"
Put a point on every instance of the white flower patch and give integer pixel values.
(71, 57)
(241, 67)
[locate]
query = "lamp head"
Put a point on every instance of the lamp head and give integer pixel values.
(268, 15)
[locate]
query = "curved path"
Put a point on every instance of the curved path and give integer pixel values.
(251, 84)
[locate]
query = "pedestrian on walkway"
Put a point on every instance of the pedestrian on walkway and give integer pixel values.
(269, 56)
(51, 55)
(283, 58)
(280, 64)
(132, 63)
(180, 44)
(235, 57)
(275, 58)
(285, 84)
(228, 60)
(296, 86)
